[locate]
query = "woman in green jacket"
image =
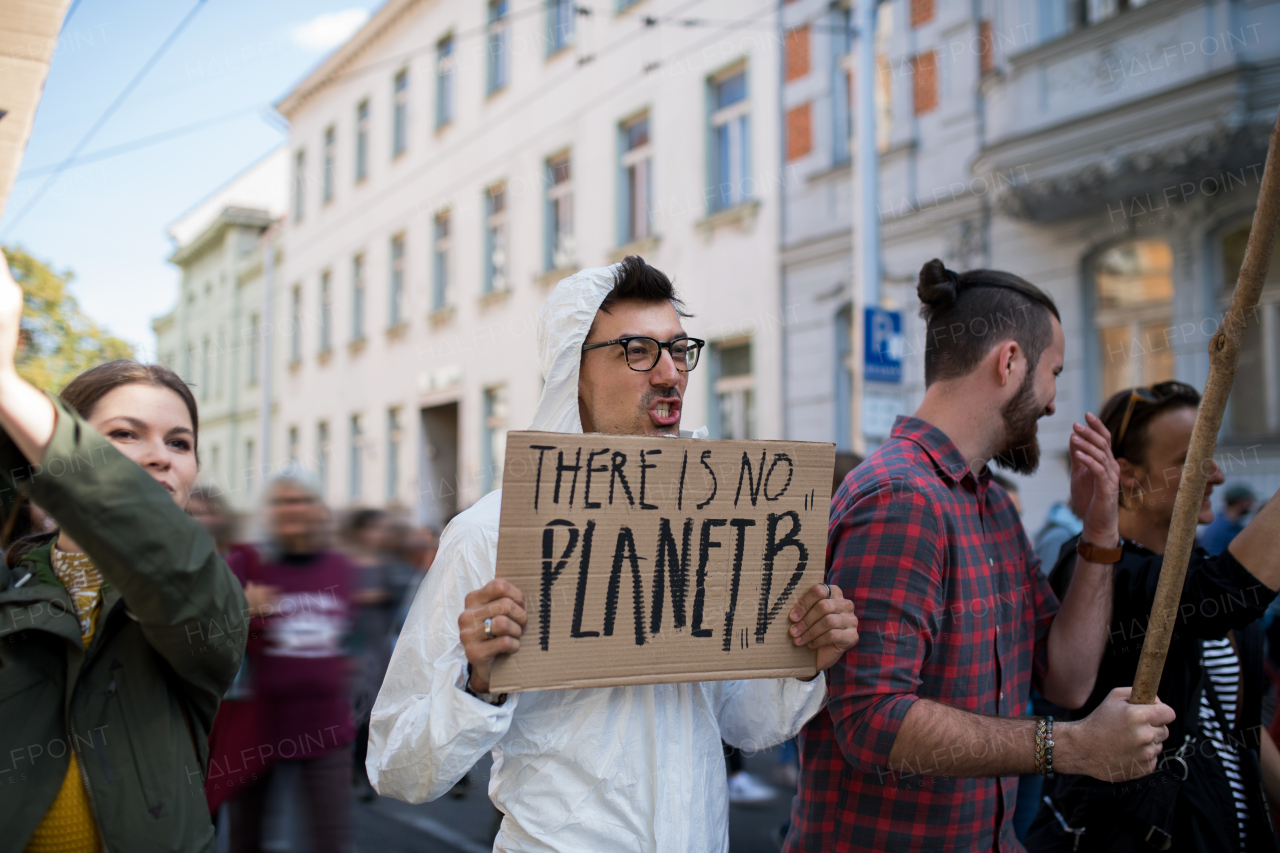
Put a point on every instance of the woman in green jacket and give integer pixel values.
(120, 631)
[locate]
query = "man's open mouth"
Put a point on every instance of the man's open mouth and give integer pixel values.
(665, 412)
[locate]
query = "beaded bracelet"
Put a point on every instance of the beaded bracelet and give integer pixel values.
(1044, 747)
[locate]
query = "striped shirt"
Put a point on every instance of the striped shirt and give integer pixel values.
(1223, 669)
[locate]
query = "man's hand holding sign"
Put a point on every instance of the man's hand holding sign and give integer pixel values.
(657, 562)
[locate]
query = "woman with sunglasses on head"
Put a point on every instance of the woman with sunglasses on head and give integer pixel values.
(121, 629)
(1210, 792)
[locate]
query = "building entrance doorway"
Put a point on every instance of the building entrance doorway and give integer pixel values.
(438, 479)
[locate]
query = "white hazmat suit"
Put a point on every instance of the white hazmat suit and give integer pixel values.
(607, 769)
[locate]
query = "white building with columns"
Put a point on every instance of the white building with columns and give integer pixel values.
(453, 161)
(216, 336)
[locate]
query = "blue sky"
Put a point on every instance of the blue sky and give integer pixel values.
(107, 220)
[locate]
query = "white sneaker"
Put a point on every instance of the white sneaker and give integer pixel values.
(745, 788)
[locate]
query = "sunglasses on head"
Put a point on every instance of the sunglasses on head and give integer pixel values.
(1152, 395)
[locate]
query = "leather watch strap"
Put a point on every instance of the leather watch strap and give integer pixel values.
(1097, 554)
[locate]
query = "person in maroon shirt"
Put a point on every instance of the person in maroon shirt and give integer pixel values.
(301, 676)
(921, 743)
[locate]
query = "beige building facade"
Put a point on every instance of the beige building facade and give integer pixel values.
(453, 161)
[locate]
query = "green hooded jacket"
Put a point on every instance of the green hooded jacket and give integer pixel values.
(136, 706)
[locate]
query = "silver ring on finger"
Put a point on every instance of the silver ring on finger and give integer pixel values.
(828, 588)
(488, 628)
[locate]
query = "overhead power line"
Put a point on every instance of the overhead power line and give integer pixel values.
(146, 141)
(106, 115)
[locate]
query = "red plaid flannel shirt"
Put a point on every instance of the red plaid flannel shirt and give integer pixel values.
(952, 607)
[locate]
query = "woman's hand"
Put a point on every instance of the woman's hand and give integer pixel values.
(25, 414)
(1095, 483)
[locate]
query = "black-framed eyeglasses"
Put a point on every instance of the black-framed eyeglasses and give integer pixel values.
(1153, 394)
(643, 353)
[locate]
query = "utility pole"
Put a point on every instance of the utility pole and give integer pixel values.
(866, 190)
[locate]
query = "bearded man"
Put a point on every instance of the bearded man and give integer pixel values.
(618, 768)
(921, 742)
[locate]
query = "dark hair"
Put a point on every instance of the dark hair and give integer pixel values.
(362, 519)
(83, 395)
(1133, 444)
(968, 313)
(637, 281)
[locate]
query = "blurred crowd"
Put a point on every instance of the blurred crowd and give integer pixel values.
(327, 597)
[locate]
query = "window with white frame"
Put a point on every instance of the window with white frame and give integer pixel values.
(292, 448)
(330, 151)
(395, 314)
(206, 355)
(326, 312)
(441, 256)
(637, 155)
(362, 140)
(841, 79)
(322, 458)
(355, 461)
(493, 445)
(445, 63)
(219, 362)
(1256, 413)
(730, 139)
(495, 239)
(560, 245)
(499, 58)
(400, 113)
(1133, 310)
(733, 390)
(295, 322)
(255, 355)
(357, 297)
(394, 437)
(249, 466)
(560, 23)
(299, 184)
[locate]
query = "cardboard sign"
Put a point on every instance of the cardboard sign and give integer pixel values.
(648, 560)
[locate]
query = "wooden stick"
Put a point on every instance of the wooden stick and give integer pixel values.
(1224, 355)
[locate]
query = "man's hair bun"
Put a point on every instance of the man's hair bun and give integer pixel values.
(938, 287)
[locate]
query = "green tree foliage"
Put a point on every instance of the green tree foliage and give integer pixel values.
(57, 341)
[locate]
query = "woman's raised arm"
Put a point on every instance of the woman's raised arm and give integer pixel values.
(25, 414)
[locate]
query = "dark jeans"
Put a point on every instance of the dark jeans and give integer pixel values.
(326, 795)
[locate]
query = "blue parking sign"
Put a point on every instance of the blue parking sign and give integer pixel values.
(883, 345)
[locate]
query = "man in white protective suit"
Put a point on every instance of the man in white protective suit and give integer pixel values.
(636, 768)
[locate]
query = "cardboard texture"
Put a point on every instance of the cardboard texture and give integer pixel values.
(28, 36)
(647, 560)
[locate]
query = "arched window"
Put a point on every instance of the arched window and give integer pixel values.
(1255, 395)
(1133, 310)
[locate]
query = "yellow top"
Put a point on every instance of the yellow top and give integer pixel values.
(68, 826)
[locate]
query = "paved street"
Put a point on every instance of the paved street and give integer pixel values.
(465, 824)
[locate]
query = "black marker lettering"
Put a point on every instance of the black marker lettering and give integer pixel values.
(550, 574)
(616, 462)
(773, 547)
(645, 466)
(699, 598)
(537, 480)
(581, 596)
(715, 484)
(791, 469)
(683, 467)
(560, 469)
(677, 566)
(586, 487)
(753, 487)
(741, 524)
(625, 549)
